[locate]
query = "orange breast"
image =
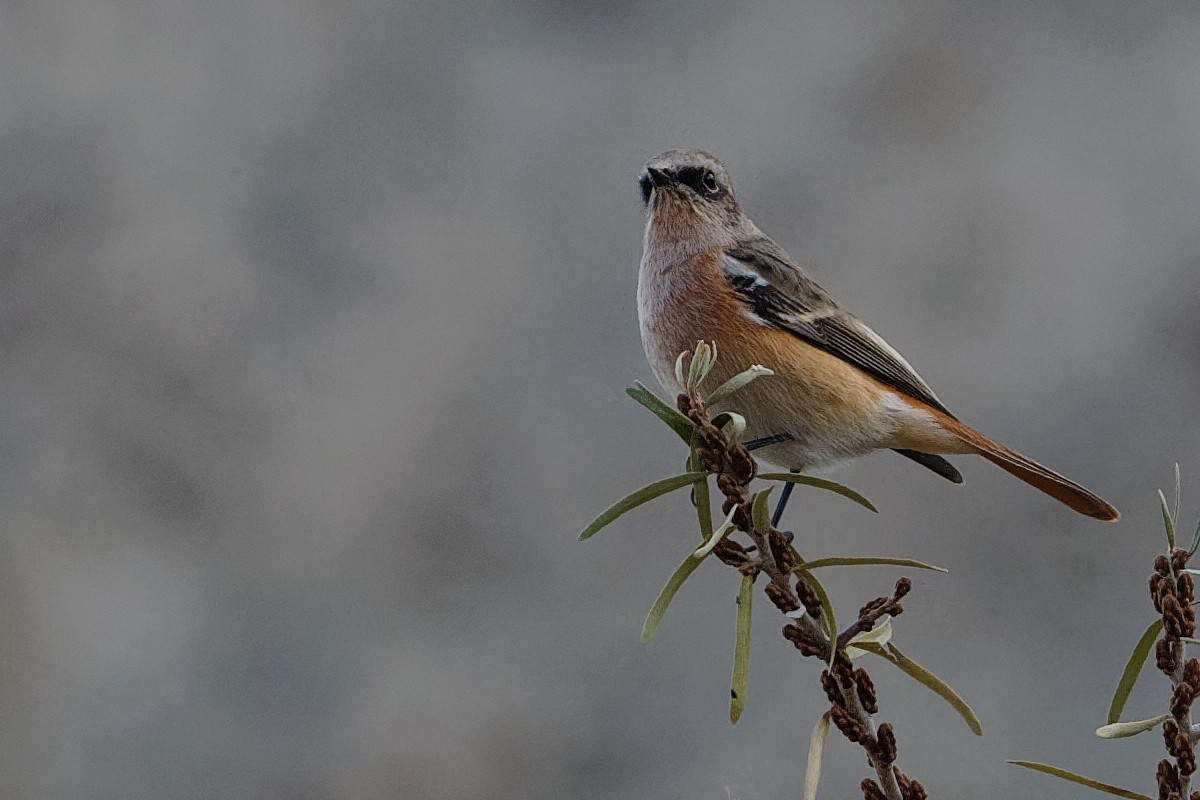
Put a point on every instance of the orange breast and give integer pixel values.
(830, 408)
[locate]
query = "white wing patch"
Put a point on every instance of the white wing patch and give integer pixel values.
(731, 266)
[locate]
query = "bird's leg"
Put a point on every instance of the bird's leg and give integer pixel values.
(777, 514)
(765, 441)
(755, 444)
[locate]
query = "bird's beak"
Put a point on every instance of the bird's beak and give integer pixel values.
(659, 177)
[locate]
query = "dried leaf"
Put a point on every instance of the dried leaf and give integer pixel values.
(1122, 730)
(726, 528)
(678, 422)
(643, 495)
(737, 382)
(880, 635)
(741, 650)
(871, 561)
(816, 748)
(732, 424)
(1075, 778)
(1133, 668)
(821, 483)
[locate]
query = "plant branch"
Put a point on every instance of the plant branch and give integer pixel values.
(1172, 591)
(850, 691)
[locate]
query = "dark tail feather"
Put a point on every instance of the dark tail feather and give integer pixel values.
(936, 463)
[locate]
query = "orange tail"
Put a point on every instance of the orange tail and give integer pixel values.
(1061, 489)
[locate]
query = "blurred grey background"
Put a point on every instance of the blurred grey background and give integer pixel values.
(315, 323)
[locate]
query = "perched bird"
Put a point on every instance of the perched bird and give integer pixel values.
(839, 390)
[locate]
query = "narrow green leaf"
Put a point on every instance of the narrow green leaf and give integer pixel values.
(741, 651)
(1195, 541)
(726, 528)
(870, 561)
(701, 364)
(930, 681)
(643, 495)
(673, 417)
(828, 620)
(880, 635)
(693, 371)
(681, 574)
(1178, 494)
(821, 483)
(737, 382)
(1121, 730)
(1075, 778)
(760, 514)
(816, 748)
(680, 376)
(1133, 668)
(703, 509)
(1167, 521)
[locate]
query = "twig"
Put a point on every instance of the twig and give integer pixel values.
(1172, 591)
(851, 693)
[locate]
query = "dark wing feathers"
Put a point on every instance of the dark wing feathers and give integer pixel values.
(779, 294)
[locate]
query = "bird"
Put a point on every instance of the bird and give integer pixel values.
(839, 391)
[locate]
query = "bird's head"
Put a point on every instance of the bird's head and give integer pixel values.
(688, 195)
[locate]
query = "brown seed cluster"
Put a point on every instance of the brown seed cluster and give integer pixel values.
(869, 614)
(909, 789)
(866, 691)
(785, 601)
(736, 556)
(808, 597)
(1170, 786)
(829, 684)
(850, 691)
(885, 749)
(731, 463)
(805, 640)
(850, 727)
(782, 550)
(1173, 592)
(871, 790)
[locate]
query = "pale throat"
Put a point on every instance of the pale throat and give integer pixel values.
(673, 235)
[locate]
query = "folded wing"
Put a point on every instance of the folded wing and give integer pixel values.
(778, 294)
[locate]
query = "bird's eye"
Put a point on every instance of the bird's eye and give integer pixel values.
(710, 183)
